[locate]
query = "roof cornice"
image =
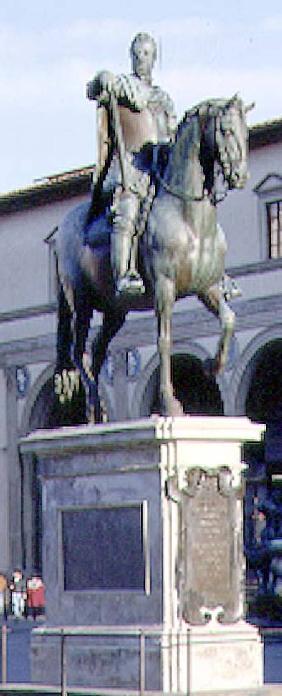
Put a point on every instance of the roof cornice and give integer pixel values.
(78, 181)
(266, 133)
(49, 190)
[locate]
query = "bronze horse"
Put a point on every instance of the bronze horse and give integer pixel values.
(181, 251)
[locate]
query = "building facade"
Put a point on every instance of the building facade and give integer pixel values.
(251, 383)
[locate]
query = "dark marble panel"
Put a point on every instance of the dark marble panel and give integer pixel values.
(103, 548)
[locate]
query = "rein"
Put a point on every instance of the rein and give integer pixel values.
(186, 197)
(178, 193)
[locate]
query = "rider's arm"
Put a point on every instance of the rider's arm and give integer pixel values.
(126, 89)
(100, 87)
(171, 116)
(161, 103)
(171, 119)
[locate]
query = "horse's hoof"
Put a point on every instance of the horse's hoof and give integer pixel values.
(177, 408)
(130, 284)
(172, 408)
(94, 414)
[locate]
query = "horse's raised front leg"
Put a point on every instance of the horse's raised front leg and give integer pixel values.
(81, 323)
(164, 301)
(64, 333)
(214, 301)
(66, 381)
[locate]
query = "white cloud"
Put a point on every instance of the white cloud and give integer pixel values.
(105, 30)
(77, 38)
(98, 37)
(187, 28)
(41, 87)
(197, 83)
(272, 24)
(43, 76)
(37, 67)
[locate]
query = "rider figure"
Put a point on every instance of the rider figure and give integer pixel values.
(144, 117)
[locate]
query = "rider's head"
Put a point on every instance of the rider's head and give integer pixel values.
(143, 52)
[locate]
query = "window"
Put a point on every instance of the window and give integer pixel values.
(274, 226)
(269, 195)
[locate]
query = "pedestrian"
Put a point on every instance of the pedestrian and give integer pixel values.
(4, 595)
(18, 594)
(35, 595)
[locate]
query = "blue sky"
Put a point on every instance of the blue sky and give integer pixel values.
(49, 49)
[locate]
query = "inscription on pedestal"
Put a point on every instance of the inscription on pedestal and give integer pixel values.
(211, 542)
(209, 546)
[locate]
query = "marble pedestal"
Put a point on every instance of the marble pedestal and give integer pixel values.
(142, 535)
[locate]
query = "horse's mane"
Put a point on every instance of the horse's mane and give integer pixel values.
(208, 106)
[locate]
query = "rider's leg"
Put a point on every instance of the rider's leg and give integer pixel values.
(123, 261)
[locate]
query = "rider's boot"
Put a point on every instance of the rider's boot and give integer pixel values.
(127, 278)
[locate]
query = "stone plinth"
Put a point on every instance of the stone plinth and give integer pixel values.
(142, 528)
(225, 657)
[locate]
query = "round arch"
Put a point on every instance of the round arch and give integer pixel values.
(41, 411)
(33, 395)
(264, 398)
(187, 359)
(244, 372)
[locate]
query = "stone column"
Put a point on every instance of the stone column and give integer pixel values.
(4, 472)
(14, 471)
(120, 384)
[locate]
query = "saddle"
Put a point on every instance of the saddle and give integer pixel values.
(148, 166)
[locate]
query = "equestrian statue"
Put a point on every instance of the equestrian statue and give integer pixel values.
(149, 235)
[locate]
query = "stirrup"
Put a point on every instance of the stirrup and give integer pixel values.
(229, 288)
(131, 284)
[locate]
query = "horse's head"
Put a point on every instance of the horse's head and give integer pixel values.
(231, 140)
(223, 138)
(213, 132)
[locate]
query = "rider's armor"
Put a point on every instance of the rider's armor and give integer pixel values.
(146, 118)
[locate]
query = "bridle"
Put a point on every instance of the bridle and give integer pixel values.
(225, 161)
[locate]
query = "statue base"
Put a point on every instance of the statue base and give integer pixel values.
(142, 556)
(221, 657)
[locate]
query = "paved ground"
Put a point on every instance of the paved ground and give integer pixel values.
(18, 647)
(273, 659)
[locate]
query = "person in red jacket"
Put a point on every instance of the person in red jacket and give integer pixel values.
(35, 595)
